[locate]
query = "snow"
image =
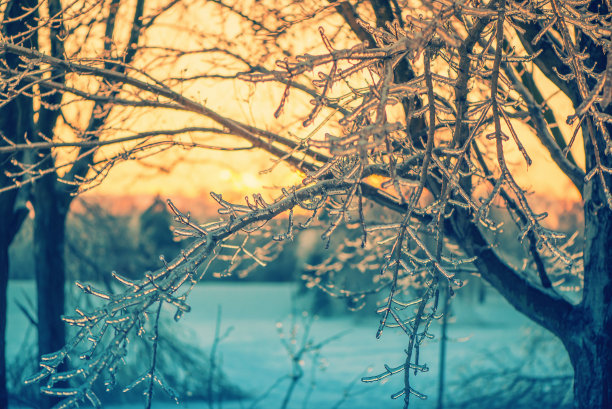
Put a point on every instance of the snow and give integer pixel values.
(254, 358)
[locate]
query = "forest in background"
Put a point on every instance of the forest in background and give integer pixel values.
(128, 233)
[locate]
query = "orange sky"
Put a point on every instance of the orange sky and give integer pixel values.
(235, 174)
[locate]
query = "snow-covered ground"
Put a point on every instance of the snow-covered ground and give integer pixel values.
(484, 336)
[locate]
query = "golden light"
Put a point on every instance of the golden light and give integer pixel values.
(194, 173)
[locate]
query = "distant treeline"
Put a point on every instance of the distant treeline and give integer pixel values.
(101, 239)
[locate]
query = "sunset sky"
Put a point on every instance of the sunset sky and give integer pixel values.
(194, 173)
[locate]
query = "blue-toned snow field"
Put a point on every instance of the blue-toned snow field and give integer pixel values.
(486, 340)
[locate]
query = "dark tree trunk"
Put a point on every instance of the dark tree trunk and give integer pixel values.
(589, 342)
(591, 356)
(15, 122)
(50, 277)
(50, 209)
(591, 350)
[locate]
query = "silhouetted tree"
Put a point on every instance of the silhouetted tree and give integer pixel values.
(31, 114)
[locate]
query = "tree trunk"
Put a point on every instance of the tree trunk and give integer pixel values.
(49, 234)
(589, 342)
(591, 356)
(15, 122)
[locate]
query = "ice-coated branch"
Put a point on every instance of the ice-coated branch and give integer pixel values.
(127, 311)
